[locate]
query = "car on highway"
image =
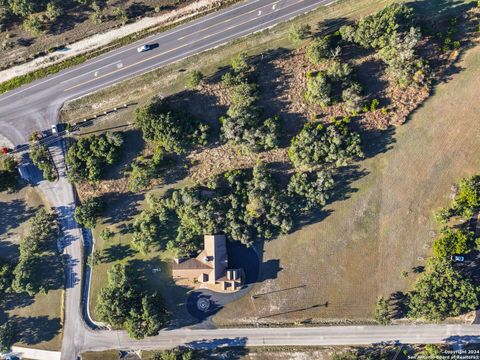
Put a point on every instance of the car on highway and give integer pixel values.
(143, 48)
(146, 47)
(54, 129)
(457, 258)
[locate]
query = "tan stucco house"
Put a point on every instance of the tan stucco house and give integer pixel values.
(210, 267)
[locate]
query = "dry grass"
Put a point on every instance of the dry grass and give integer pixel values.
(385, 225)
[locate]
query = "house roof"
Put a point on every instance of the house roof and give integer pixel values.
(213, 256)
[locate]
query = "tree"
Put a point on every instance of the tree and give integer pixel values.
(121, 15)
(7, 336)
(87, 213)
(312, 188)
(6, 277)
(33, 25)
(9, 175)
(441, 292)
(194, 78)
(382, 311)
(239, 63)
(41, 158)
(318, 89)
(88, 157)
(352, 98)
(453, 242)
(299, 32)
(53, 11)
(467, 200)
(146, 230)
(173, 131)
(319, 50)
(317, 144)
(148, 319)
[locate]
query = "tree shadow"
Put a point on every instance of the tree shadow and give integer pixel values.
(117, 252)
(121, 207)
(331, 25)
(138, 9)
(398, 303)
(14, 213)
(35, 330)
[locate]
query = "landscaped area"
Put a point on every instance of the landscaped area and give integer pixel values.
(375, 232)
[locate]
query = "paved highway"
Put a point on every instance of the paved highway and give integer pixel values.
(35, 107)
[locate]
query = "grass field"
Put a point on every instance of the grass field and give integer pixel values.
(38, 319)
(385, 225)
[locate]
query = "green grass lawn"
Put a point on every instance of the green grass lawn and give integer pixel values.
(38, 319)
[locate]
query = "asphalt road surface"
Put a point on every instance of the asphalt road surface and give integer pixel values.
(35, 107)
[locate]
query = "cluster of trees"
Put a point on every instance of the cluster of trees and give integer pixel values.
(466, 202)
(390, 32)
(442, 291)
(7, 336)
(40, 157)
(87, 213)
(8, 173)
(333, 144)
(88, 156)
(246, 205)
(41, 238)
(173, 131)
(244, 123)
(310, 189)
(123, 303)
(333, 84)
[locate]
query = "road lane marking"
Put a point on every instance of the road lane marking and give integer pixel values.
(89, 72)
(225, 21)
(193, 52)
(179, 47)
(164, 34)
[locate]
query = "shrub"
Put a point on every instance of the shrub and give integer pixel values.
(299, 32)
(42, 159)
(382, 312)
(194, 79)
(106, 234)
(53, 11)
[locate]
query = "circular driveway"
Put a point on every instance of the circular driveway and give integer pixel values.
(203, 303)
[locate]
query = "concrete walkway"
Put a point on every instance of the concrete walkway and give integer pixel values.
(34, 354)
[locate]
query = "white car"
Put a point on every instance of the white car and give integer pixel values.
(143, 48)
(54, 129)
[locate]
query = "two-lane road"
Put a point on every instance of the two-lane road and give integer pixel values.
(36, 105)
